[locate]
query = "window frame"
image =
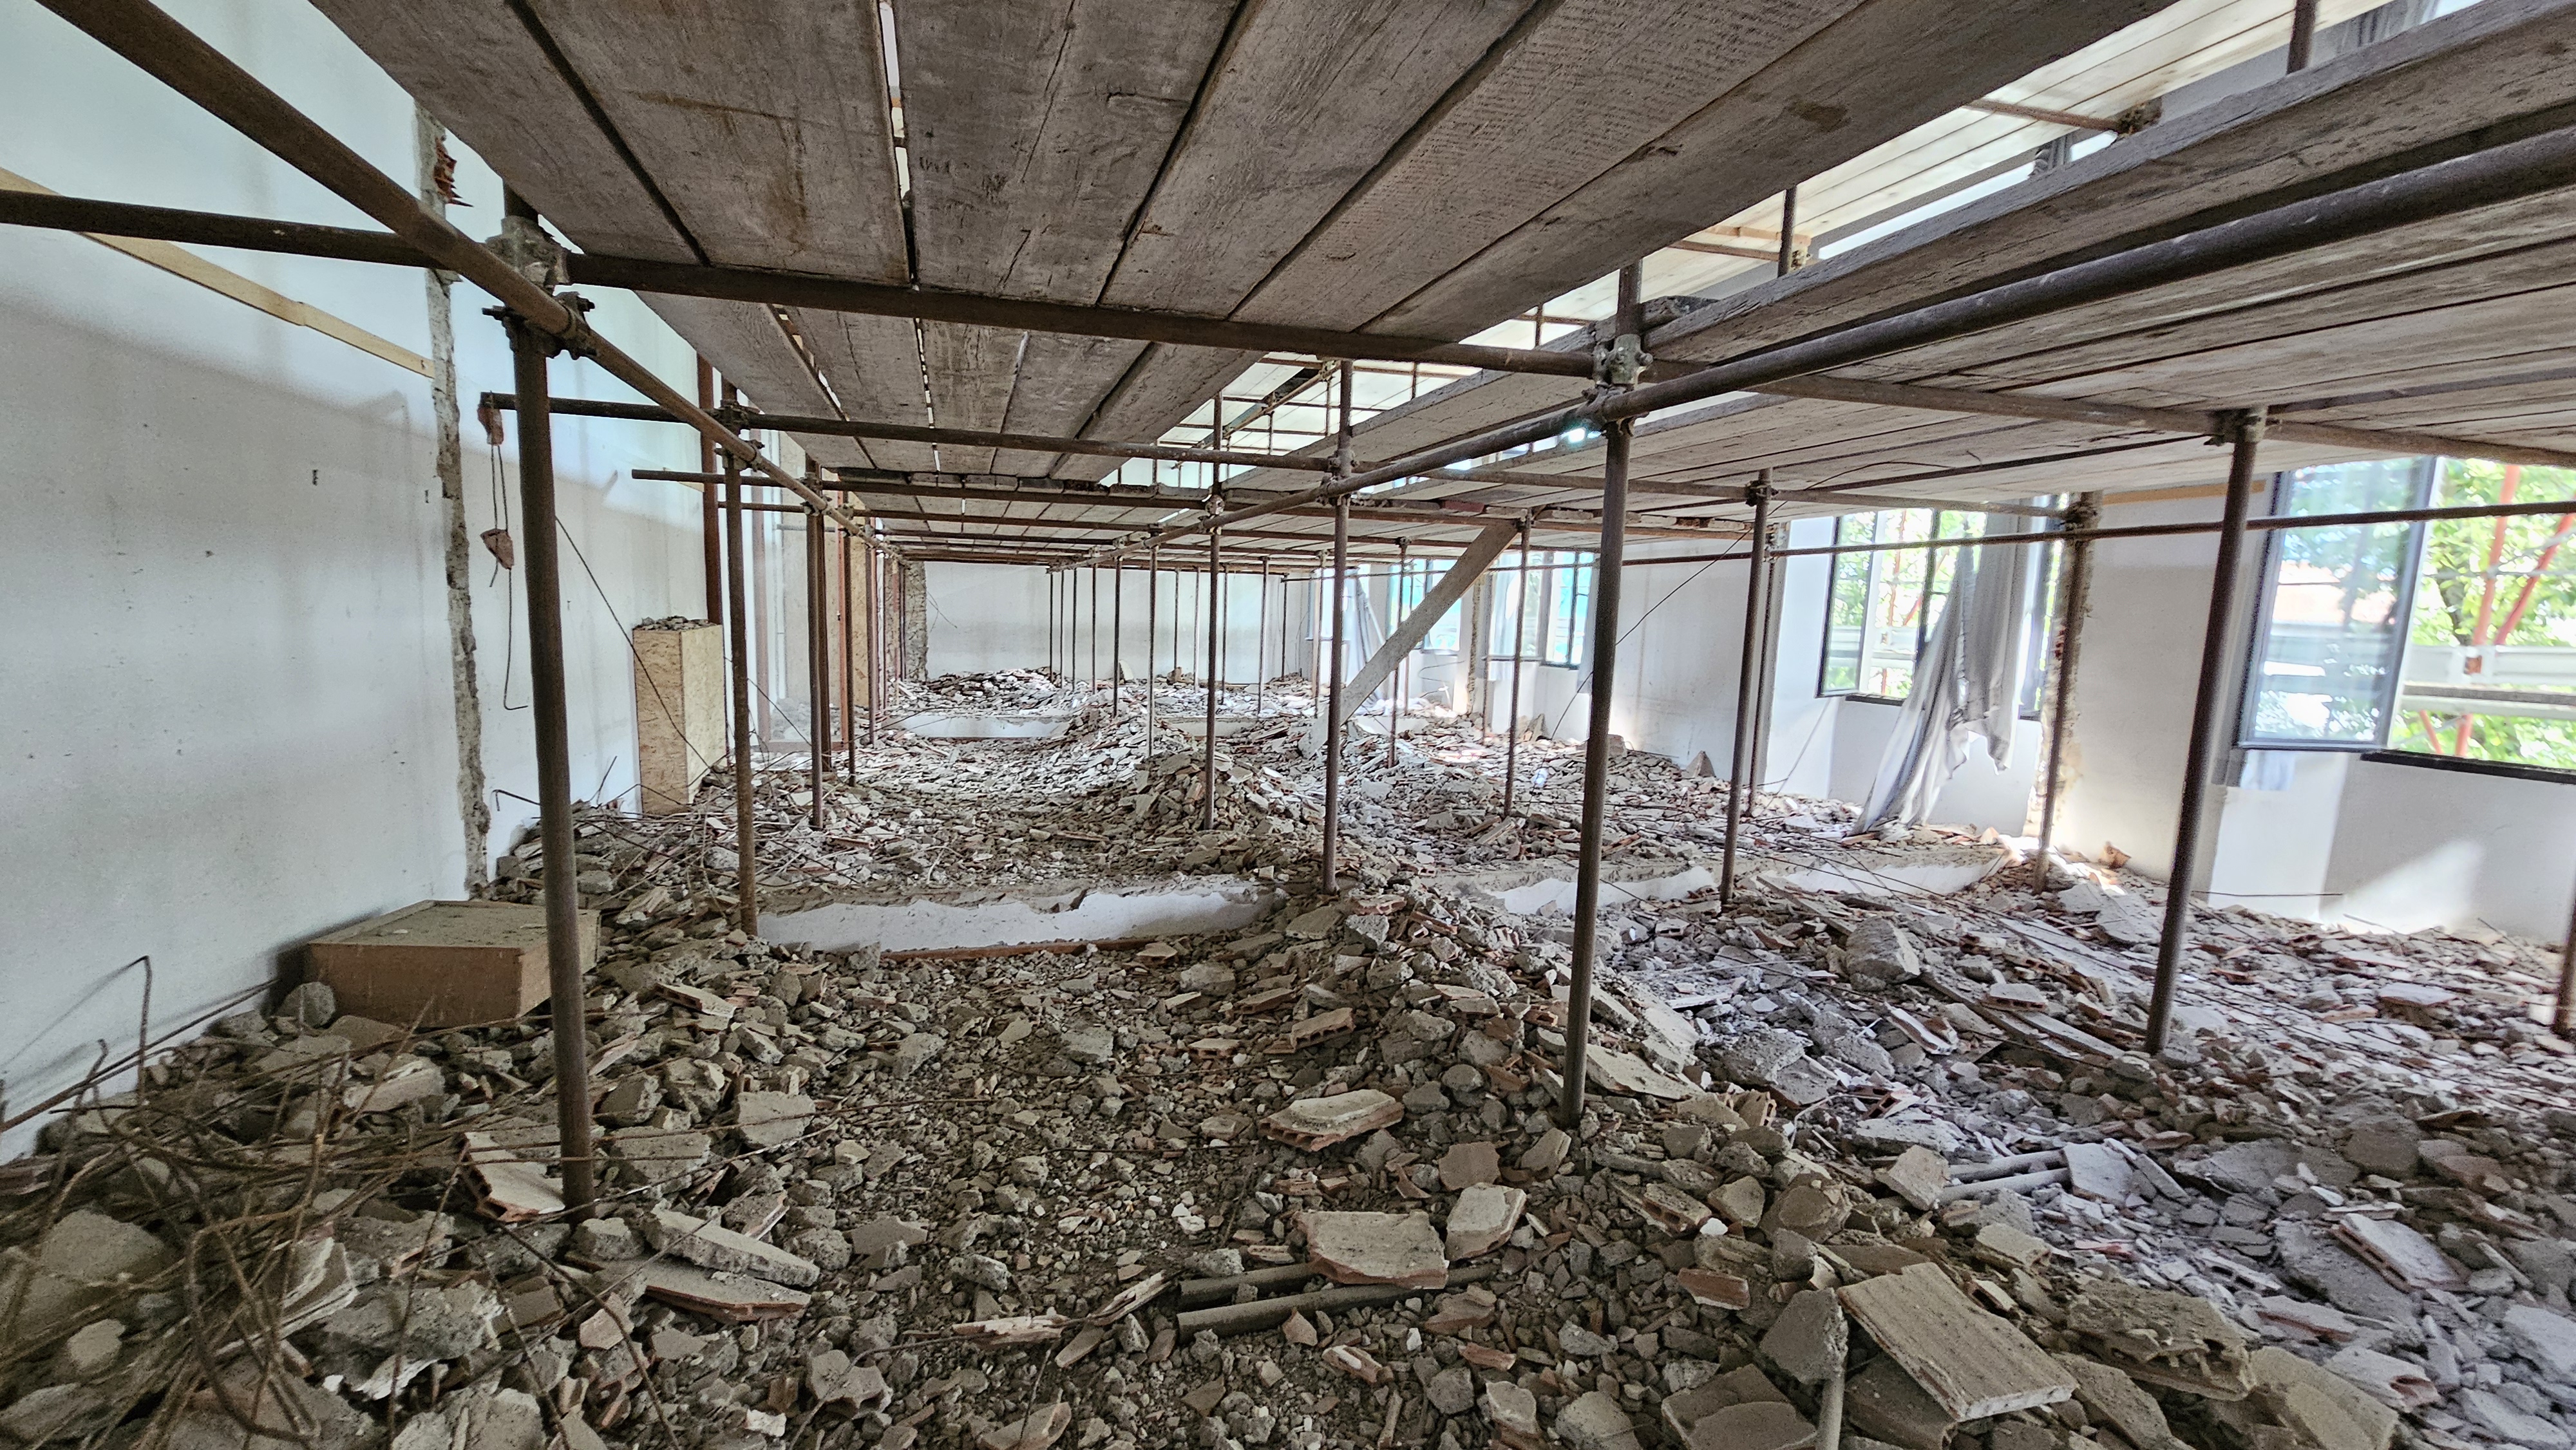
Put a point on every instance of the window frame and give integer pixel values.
(2402, 613)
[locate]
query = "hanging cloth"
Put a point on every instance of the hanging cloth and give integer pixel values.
(1967, 684)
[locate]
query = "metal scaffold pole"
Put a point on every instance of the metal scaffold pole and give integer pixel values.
(2208, 711)
(543, 580)
(1621, 363)
(1748, 685)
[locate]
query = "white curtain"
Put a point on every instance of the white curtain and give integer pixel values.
(1968, 683)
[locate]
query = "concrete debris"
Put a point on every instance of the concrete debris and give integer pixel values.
(1376, 1248)
(1296, 1181)
(1973, 1363)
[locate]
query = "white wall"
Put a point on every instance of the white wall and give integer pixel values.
(997, 616)
(231, 700)
(2320, 834)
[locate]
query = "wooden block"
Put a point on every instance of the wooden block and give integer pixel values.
(444, 963)
(679, 713)
(1971, 1362)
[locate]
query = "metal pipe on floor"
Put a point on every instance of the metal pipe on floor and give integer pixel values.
(738, 630)
(1207, 756)
(1520, 649)
(2208, 712)
(2073, 591)
(710, 521)
(1620, 362)
(1748, 684)
(543, 580)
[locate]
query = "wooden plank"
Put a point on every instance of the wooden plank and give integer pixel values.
(2442, 80)
(763, 121)
(1974, 1364)
(1307, 98)
(1035, 132)
(874, 365)
(1408, 634)
(474, 66)
(1877, 70)
(747, 345)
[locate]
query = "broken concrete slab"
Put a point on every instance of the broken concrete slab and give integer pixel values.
(1810, 1339)
(713, 1246)
(770, 1120)
(1481, 1219)
(1973, 1363)
(1467, 1164)
(1884, 1402)
(2169, 1340)
(2097, 1171)
(1594, 1421)
(1878, 954)
(1315, 1124)
(1918, 1175)
(2111, 1398)
(1376, 1248)
(2545, 1338)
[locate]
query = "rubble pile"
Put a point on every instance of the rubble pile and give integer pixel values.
(1858, 1164)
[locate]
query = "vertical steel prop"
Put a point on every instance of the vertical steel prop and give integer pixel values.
(818, 669)
(2303, 35)
(2208, 710)
(849, 658)
(543, 580)
(1333, 661)
(2562, 1019)
(1520, 647)
(1788, 231)
(1091, 666)
(738, 630)
(1216, 605)
(1748, 683)
(1260, 639)
(1117, 637)
(1395, 683)
(875, 636)
(2074, 585)
(1620, 365)
(1153, 607)
(710, 508)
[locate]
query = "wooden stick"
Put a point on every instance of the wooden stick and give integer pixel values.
(1229, 1319)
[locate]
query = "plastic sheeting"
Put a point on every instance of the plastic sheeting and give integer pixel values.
(1967, 686)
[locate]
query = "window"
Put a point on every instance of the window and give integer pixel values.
(2491, 652)
(2455, 637)
(1413, 583)
(1557, 592)
(2333, 609)
(1884, 605)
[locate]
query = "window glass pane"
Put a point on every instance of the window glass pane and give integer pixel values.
(1569, 596)
(2333, 604)
(1847, 606)
(2491, 670)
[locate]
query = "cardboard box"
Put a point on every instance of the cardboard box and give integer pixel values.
(444, 963)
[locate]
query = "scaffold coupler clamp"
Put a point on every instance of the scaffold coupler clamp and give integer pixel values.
(1622, 362)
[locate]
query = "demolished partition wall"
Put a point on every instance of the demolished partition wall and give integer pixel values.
(232, 693)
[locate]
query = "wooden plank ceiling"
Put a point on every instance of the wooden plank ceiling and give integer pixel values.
(1424, 166)
(2465, 325)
